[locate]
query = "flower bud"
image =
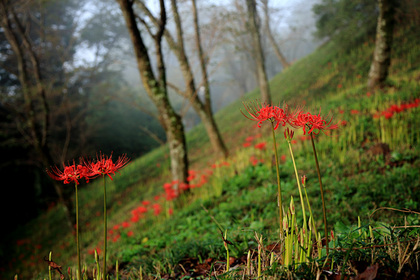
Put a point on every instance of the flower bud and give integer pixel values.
(303, 180)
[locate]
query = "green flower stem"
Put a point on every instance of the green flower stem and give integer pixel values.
(105, 228)
(313, 229)
(49, 267)
(79, 271)
(322, 194)
(298, 183)
(259, 256)
(227, 252)
(278, 183)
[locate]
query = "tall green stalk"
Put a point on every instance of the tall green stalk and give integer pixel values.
(79, 271)
(105, 229)
(322, 194)
(278, 183)
(49, 267)
(298, 183)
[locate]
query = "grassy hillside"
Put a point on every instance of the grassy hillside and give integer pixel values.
(360, 175)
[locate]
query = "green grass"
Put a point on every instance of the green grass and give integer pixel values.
(242, 198)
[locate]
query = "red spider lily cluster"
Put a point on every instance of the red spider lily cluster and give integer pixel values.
(310, 123)
(396, 109)
(195, 179)
(88, 169)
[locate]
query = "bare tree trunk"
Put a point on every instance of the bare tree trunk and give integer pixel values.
(203, 109)
(157, 90)
(273, 42)
(209, 122)
(382, 54)
(259, 56)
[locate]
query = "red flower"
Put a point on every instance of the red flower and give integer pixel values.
(184, 186)
(283, 158)
(262, 112)
(71, 174)
(261, 145)
(246, 144)
(105, 165)
(249, 139)
(135, 218)
(192, 174)
(125, 224)
(156, 209)
(315, 123)
(130, 233)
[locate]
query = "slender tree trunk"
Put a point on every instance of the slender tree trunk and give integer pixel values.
(208, 119)
(203, 109)
(382, 53)
(259, 56)
(203, 60)
(273, 42)
(157, 90)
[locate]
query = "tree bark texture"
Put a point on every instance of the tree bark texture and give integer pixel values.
(259, 56)
(203, 109)
(382, 54)
(157, 90)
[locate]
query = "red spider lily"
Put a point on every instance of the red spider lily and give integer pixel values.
(262, 112)
(246, 144)
(145, 203)
(105, 165)
(315, 123)
(254, 160)
(115, 239)
(283, 158)
(135, 219)
(125, 224)
(171, 194)
(184, 186)
(192, 174)
(156, 209)
(71, 174)
(130, 233)
(249, 138)
(261, 146)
